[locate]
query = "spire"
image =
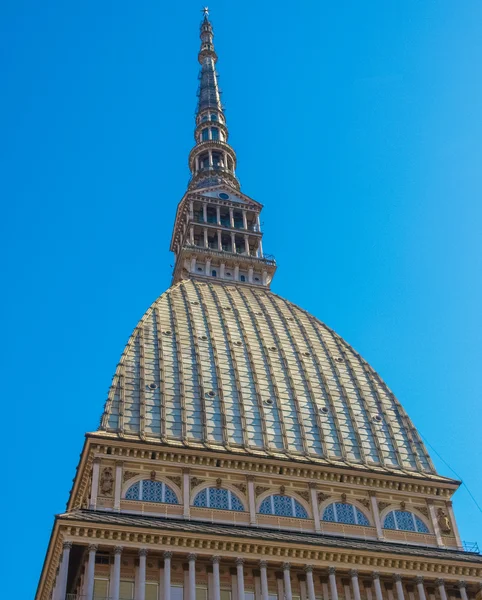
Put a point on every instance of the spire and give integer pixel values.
(212, 161)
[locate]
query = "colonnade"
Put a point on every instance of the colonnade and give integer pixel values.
(330, 579)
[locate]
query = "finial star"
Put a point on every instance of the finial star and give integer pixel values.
(205, 12)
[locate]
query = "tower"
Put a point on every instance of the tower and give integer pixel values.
(246, 451)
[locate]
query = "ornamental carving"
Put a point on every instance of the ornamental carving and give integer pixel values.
(423, 510)
(176, 480)
(219, 482)
(443, 521)
(106, 483)
(259, 489)
(305, 495)
(365, 502)
(322, 497)
(195, 481)
(241, 487)
(153, 475)
(382, 505)
(128, 475)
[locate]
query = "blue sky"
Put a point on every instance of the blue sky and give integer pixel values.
(357, 125)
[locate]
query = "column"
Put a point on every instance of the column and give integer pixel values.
(191, 210)
(116, 572)
(216, 578)
(191, 236)
(332, 578)
(315, 509)
(231, 218)
(251, 500)
(420, 588)
(377, 586)
(435, 526)
(186, 492)
(455, 529)
(220, 243)
(167, 575)
(208, 266)
(245, 220)
(246, 245)
(309, 582)
(355, 584)
(95, 483)
(61, 584)
(192, 576)
(118, 484)
(210, 155)
(258, 223)
(205, 212)
(263, 569)
(399, 586)
(287, 581)
(221, 270)
(250, 274)
(240, 577)
(462, 588)
(260, 248)
(193, 264)
(376, 514)
(236, 272)
(205, 231)
(142, 574)
(197, 163)
(218, 215)
(440, 583)
(265, 277)
(89, 582)
(233, 243)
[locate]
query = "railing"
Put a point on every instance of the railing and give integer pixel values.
(470, 547)
(268, 259)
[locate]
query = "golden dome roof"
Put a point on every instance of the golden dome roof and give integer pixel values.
(237, 369)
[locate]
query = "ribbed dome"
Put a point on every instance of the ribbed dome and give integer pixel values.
(238, 369)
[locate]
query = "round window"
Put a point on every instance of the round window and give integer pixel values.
(223, 196)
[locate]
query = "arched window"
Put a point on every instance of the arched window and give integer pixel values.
(242, 278)
(204, 118)
(218, 498)
(151, 491)
(214, 273)
(404, 520)
(214, 117)
(340, 512)
(205, 134)
(214, 133)
(282, 506)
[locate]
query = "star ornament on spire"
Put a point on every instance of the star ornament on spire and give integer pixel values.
(205, 12)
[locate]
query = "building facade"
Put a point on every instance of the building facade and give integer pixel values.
(246, 451)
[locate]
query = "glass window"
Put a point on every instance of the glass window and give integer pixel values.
(126, 590)
(214, 273)
(225, 594)
(214, 117)
(205, 134)
(242, 278)
(151, 491)
(201, 593)
(404, 520)
(218, 498)
(341, 512)
(101, 587)
(282, 506)
(151, 591)
(214, 133)
(204, 118)
(177, 592)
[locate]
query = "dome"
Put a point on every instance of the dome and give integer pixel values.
(237, 369)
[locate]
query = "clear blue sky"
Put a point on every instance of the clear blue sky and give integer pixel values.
(357, 124)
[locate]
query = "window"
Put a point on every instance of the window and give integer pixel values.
(205, 134)
(151, 591)
(101, 587)
(214, 117)
(214, 273)
(404, 520)
(205, 118)
(177, 592)
(214, 133)
(340, 512)
(126, 590)
(201, 593)
(242, 278)
(282, 506)
(151, 491)
(218, 498)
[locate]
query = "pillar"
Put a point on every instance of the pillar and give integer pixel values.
(355, 584)
(192, 576)
(61, 584)
(246, 245)
(250, 274)
(240, 577)
(245, 220)
(434, 521)
(236, 272)
(441, 589)
(118, 484)
(205, 231)
(185, 478)
(193, 264)
(258, 223)
(191, 236)
(221, 270)
(210, 155)
(251, 500)
(216, 578)
(205, 212)
(462, 588)
(197, 163)
(142, 574)
(455, 529)
(310, 585)
(377, 586)
(315, 509)
(376, 514)
(95, 483)
(220, 243)
(218, 215)
(231, 218)
(233, 243)
(191, 210)
(116, 573)
(265, 277)
(287, 581)
(208, 266)
(332, 578)
(167, 575)
(399, 586)
(260, 248)
(89, 582)
(263, 570)
(420, 588)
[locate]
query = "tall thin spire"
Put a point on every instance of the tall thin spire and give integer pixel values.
(212, 160)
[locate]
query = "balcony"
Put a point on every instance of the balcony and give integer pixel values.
(224, 223)
(268, 259)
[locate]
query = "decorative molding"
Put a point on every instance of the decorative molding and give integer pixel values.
(195, 481)
(364, 502)
(322, 497)
(175, 479)
(305, 495)
(129, 475)
(106, 482)
(260, 489)
(241, 487)
(383, 505)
